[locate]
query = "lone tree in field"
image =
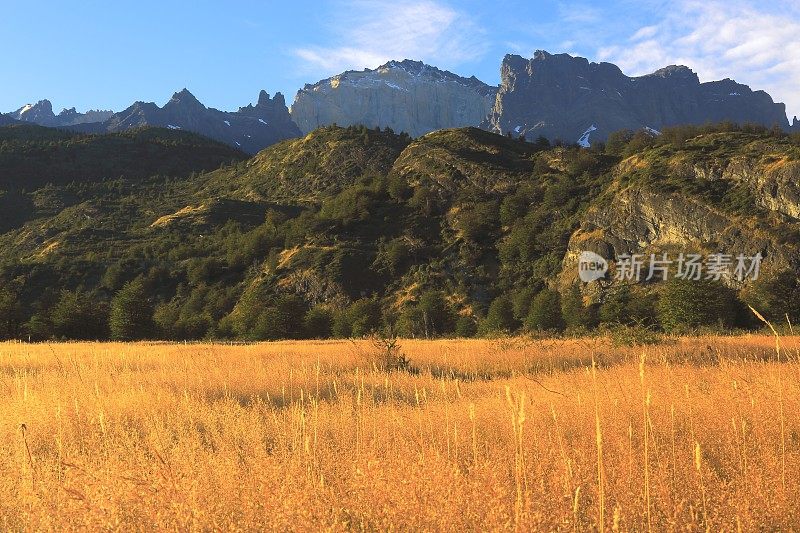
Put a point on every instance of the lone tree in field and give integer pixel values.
(131, 312)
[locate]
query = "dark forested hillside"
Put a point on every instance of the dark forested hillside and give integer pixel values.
(33, 156)
(348, 230)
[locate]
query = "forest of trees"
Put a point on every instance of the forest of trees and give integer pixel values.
(481, 260)
(675, 306)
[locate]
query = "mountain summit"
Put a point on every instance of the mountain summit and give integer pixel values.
(407, 96)
(569, 98)
(41, 113)
(250, 129)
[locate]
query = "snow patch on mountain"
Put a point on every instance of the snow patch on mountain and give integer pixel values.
(584, 140)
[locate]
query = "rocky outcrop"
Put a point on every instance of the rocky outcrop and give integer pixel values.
(251, 128)
(41, 113)
(775, 186)
(407, 96)
(642, 221)
(569, 98)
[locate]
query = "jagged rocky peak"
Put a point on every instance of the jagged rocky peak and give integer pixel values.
(39, 112)
(276, 103)
(676, 72)
(42, 113)
(568, 98)
(71, 112)
(184, 98)
(250, 129)
(406, 95)
(271, 110)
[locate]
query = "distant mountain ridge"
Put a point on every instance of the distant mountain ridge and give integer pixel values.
(558, 96)
(250, 129)
(569, 98)
(406, 96)
(41, 113)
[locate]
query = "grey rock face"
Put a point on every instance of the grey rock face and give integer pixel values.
(407, 96)
(642, 221)
(564, 97)
(251, 128)
(775, 187)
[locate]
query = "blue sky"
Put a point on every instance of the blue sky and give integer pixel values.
(94, 54)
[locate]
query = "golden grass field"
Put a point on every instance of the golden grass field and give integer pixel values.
(486, 435)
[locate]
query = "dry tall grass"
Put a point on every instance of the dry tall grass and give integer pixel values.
(484, 435)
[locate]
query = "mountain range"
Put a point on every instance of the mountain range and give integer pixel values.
(568, 98)
(42, 113)
(249, 129)
(557, 96)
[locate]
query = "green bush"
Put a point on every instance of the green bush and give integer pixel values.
(131, 316)
(11, 316)
(466, 327)
(281, 320)
(500, 318)
(575, 313)
(360, 319)
(545, 313)
(686, 304)
(630, 307)
(776, 297)
(318, 323)
(77, 315)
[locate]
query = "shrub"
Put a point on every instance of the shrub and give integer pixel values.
(500, 317)
(10, 314)
(437, 317)
(131, 315)
(687, 304)
(282, 320)
(318, 323)
(545, 313)
(78, 316)
(521, 302)
(360, 319)
(573, 310)
(624, 306)
(466, 327)
(776, 298)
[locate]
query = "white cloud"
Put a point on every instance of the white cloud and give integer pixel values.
(644, 33)
(579, 13)
(373, 32)
(757, 44)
